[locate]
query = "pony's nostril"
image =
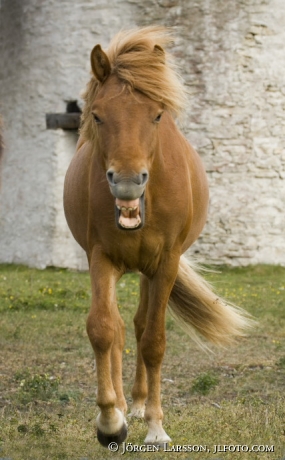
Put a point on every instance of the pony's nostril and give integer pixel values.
(144, 178)
(110, 176)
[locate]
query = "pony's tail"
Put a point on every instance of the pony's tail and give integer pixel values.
(199, 310)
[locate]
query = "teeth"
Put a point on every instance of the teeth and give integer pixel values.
(134, 226)
(123, 208)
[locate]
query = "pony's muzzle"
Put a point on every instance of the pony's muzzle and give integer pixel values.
(129, 193)
(127, 187)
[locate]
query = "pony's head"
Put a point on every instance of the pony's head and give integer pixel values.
(132, 86)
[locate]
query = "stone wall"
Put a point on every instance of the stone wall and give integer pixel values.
(232, 58)
(237, 123)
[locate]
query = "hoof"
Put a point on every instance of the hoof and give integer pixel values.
(106, 439)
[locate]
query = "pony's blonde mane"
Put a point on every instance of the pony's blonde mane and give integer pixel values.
(136, 62)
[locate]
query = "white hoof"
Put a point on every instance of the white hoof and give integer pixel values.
(156, 434)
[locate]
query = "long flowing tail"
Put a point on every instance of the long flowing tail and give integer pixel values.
(199, 310)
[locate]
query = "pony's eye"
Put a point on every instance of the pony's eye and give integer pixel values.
(158, 118)
(97, 120)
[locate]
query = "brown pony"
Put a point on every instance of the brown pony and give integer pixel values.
(135, 198)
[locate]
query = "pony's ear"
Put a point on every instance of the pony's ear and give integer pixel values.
(160, 53)
(100, 64)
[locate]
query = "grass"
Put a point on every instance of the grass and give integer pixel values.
(232, 396)
(204, 383)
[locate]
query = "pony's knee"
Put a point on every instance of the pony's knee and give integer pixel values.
(100, 333)
(152, 349)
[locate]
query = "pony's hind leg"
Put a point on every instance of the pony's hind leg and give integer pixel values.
(101, 329)
(139, 391)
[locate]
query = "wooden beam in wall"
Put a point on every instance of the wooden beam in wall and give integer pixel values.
(63, 120)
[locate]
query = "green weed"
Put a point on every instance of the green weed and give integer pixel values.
(37, 386)
(281, 362)
(204, 383)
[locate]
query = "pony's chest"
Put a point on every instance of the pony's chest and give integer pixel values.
(135, 252)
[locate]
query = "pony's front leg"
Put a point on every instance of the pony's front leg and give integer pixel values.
(139, 390)
(116, 361)
(101, 329)
(153, 345)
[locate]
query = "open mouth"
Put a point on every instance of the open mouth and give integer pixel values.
(130, 214)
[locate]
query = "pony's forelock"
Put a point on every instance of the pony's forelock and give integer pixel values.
(134, 59)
